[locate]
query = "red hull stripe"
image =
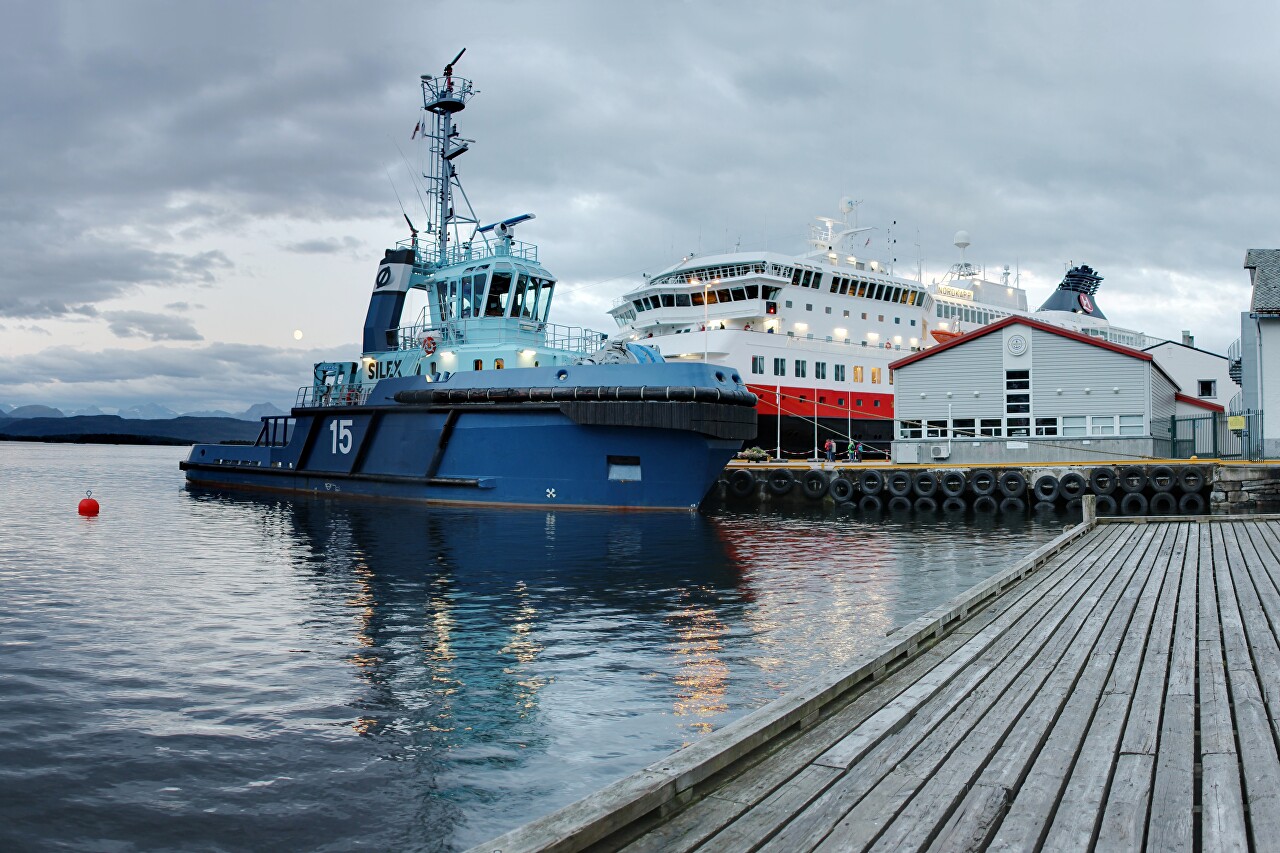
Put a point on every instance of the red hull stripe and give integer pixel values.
(831, 402)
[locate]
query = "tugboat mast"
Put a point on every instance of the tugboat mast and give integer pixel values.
(443, 97)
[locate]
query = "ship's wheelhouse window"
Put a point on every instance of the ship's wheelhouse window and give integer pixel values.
(753, 291)
(739, 294)
(796, 275)
(499, 290)
(807, 278)
(696, 298)
(712, 297)
(723, 295)
(639, 305)
(682, 300)
(519, 306)
(817, 279)
(668, 300)
(835, 284)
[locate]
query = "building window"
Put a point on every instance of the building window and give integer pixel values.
(1132, 425)
(839, 372)
(1074, 426)
(1017, 401)
(801, 366)
(909, 429)
(857, 373)
(1018, 427)
(1102, 425)
(935, 429)
(757, 364)
(963, 428)
(1208, 388)
(875, 376)
(991, 427)
(819, 370)
(1046, 426)
(779, 367)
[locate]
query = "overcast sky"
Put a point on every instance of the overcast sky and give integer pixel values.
(185, 184)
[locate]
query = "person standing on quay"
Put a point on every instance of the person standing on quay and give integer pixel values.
(830, 447)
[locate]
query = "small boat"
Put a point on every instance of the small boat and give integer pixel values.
(482, 400)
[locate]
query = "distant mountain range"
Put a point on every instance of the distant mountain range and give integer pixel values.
(142, 412)
(144, 424)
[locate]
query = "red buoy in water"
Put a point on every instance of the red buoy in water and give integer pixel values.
(88, 506)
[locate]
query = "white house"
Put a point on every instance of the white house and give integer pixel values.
(1260, 346)
(1021, 390)
(1203, 376)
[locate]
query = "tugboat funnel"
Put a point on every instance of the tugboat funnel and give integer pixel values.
(387, 302)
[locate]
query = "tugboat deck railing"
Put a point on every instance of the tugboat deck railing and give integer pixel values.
(332, 395)
(428, 257)
(495, 332)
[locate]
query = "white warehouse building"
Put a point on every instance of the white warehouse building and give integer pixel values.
(1024, 391)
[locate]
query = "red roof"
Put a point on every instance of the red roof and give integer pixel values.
(1024, 321)
(1196, 401)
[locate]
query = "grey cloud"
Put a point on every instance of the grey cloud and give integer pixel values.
(324, 246)
(156, 327)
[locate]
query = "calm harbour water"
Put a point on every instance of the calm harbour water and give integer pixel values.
(191, 671)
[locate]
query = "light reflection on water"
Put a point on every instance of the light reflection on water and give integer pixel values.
(203, 670)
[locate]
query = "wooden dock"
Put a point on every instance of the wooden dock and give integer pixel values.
(1117, 690)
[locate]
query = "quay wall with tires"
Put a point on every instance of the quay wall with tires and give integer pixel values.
(1159, 488)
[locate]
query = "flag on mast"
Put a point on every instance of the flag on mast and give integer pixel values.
(416, 128)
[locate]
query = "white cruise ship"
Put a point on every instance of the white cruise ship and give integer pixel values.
(813, 335)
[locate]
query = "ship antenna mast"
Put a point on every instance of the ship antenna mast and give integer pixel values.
(444, 97)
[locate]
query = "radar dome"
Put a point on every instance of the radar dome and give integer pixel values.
(962, 239)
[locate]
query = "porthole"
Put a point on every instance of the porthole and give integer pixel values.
(562, 375)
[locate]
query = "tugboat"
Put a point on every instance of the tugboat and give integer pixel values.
(481, 400)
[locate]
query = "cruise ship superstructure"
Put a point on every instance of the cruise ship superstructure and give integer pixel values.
(814, 334)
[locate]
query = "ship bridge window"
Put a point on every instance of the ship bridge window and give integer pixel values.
(524, 297)
(682, 300)
(753, 291)
(739, 294)
(712, 297)
(724, 295)
(499, 291)
(668, 300)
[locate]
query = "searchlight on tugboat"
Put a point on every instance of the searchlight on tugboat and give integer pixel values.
(482, 400)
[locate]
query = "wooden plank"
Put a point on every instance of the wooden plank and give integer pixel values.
(1260, 764)
(703, 819)
(1047, 773)
(980, 689)
(910, 806)
(1124, 824)
(1008, 766)
(1080, 809)
(1172, 820)
(1222, 822)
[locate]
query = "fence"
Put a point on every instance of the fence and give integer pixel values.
(1216, 436)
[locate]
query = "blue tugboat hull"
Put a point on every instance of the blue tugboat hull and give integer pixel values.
(507, 446)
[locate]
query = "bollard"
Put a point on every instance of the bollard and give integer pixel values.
(1089, 503)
